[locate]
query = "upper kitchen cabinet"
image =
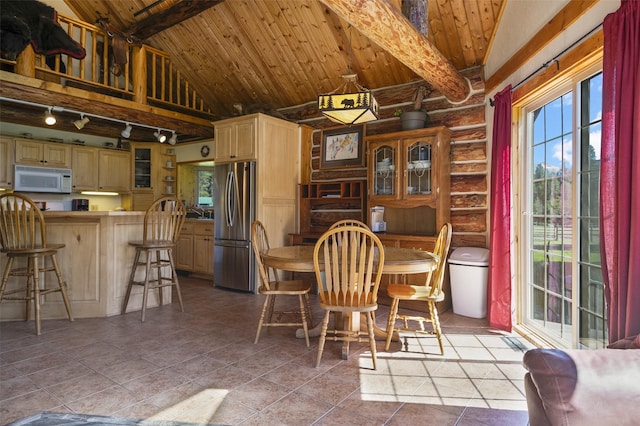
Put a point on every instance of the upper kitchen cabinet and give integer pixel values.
(235, 139)
(410, 169)
(84, 163)
(113, 171)
(6, 162)
(35, 153)
(153, 168)
(96, 169)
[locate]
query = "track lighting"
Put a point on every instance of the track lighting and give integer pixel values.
(173, 139)
(161, 138)
(49, 118)
(127, 131)
(81, 123)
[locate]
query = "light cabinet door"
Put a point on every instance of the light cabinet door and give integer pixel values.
(203, 254)
(224, 146)
(85, 164)
(183, 253)
(29, 152)
(6, 162)
(57, 155)
(245, 140)
(114, 173)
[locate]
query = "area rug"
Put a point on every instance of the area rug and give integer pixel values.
(47, 418)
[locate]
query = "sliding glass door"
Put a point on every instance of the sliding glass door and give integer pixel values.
(562, 294)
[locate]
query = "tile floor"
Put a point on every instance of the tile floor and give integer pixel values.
(201, 367)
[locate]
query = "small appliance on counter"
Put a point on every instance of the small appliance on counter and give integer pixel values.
(80, 205)
(377, 219)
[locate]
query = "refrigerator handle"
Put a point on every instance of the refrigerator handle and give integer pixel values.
(230, 201)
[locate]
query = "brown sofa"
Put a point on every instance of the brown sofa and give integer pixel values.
(583, 387)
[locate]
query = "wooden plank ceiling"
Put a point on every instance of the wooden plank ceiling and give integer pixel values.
(279, 53)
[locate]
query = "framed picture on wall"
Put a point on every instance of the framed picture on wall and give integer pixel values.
(342, 147)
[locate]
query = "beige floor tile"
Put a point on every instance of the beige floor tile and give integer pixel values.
(201, 366)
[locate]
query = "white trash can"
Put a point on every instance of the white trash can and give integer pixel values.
(468, 270)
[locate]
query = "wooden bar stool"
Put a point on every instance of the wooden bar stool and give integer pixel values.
(162, 225)
(23, 236)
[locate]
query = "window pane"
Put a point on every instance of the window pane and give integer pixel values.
(205, 187)
(553, 116)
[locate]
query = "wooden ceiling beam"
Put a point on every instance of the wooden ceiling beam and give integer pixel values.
(385, 25)
(174, 15)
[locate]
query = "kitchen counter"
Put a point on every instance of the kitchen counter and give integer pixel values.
(95, 263)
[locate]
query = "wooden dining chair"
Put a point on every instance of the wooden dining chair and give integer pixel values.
(430, 292)
(349, 222)
(163, 222)
(23, 235)
(272, 286)
(348, 263)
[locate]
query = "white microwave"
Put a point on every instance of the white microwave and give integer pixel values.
(42, 179)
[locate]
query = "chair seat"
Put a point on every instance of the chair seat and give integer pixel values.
(286, 287)
(339, 305)
(152, 245)
(412, 292)
(50, 248)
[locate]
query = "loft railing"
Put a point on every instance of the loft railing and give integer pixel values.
(148, 78)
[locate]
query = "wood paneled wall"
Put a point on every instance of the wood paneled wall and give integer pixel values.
(469, 149)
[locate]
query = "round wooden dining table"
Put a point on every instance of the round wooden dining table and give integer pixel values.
(396, 261)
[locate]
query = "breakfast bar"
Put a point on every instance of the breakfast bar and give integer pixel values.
(95, 264)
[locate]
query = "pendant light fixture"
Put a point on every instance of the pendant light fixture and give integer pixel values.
(350, 103)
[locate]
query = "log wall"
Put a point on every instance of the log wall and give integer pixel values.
(469, 149)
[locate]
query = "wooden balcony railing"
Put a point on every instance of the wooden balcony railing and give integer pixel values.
(148, 78)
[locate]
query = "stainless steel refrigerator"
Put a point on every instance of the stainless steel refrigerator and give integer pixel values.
(234, 198)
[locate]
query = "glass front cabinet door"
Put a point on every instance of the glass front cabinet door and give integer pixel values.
(404, 169)
(384, 162)
(419, 174)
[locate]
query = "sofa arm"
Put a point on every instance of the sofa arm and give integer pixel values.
(583, 387)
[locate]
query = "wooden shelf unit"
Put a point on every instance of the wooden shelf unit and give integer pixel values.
(322, 204)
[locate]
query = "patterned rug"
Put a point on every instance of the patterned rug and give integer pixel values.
(66, 419)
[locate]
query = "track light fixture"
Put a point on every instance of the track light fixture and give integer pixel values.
(81, 123)
(161, 137)
(127, 131)
(173, 139)
(49, 118)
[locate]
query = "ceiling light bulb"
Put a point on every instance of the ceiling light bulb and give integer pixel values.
(49, 118)
(161, 138)
(127, 131)
(173, 139)
(82, 122)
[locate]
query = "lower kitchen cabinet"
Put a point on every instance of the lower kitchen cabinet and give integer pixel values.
(194, 249)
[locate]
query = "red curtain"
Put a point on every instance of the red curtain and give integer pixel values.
(499, 285)
(620, 170)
